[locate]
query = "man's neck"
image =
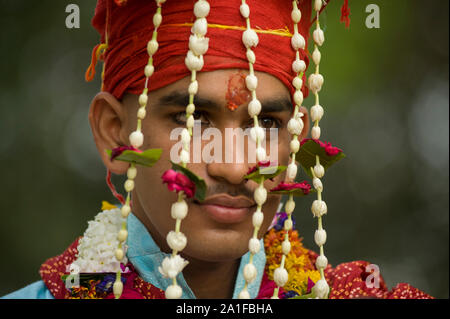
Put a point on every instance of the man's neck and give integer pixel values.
(211, 280)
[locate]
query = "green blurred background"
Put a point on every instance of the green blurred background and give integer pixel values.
(386, 99)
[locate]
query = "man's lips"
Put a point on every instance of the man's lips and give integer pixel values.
(227, 209)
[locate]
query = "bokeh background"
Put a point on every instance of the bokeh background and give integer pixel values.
(386, 96)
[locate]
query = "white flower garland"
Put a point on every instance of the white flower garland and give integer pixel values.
(97, 248)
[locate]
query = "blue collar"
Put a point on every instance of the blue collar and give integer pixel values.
(146, 257)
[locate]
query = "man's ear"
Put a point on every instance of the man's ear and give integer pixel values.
(108, 120)
(306, 123)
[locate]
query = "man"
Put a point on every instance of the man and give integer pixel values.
(219, 227)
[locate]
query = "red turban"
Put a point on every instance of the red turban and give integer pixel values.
(129, 27)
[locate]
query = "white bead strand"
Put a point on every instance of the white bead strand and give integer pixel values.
(136, 140)
(319, 207)
(177, 241)
(295, 127)
(250, 39)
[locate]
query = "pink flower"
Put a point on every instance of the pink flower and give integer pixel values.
(304, 186)
(329, 149)
(119, 150)
(177, 181)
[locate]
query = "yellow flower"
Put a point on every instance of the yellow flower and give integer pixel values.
(107, 206)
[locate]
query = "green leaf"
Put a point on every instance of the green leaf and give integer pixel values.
(146, 158)
(200, 185)
(306, 156)
(265, 173)
(308, 296)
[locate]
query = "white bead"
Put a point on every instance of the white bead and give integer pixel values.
(291, 172)
(152, 47)
(201, 9)
(316, 113)
(149, 69)
(129, 185)
(321, 262)
(257, 219)
(320, 237)
(251, 82)
(315, 82)
(136, 139)
(257, 133)
(319, 170)
(193, 89)
(119, 254)
(250, 38)
(319, 208)
(321, 289)
(280, 276)
(157, 19)
(250, 273)
(317, 183)
(318, 36)
(297, 82)
(244, 294)
(294, 145)
(176, 241)
(317, 5)
(261, 154)
(286, 247)
(251, 57)
(179, 210)
(131, 172)
(315, 132)
(299, 116)
(288, 224)
(173, 292)
(316, 56)
(184, 156)
(298, 66)
(141, 113)
(254, 107)
(185, 136)
(197, 45)
(294, 127)
(190, 109)
(117, 289)
(200, 27)
(125, 210)
(290, 205)
(298, 97)
(296, 15)
(193, 62)
(122, 235)
(298, 41)
(254, 245)
(190, 121)
(260, 195)
(245, 10)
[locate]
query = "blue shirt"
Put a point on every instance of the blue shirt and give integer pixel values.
(146, 257)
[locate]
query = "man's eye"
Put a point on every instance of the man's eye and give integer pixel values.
(269, 122)
(180, 117)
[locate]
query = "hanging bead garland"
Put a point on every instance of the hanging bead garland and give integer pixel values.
(250, 40)
(136, 140)
(295, 128)
(319, 207)
(198, 46)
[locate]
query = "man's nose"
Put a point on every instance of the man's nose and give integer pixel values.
(234, 164)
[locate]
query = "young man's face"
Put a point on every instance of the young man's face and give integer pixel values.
(218, 230)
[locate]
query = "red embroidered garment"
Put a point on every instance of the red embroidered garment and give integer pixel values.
(347, 280)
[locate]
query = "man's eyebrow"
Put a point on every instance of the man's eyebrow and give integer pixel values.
(177, 98)
(181, 99)
(277, 105)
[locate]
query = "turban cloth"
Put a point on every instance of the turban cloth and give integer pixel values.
(128, 27)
